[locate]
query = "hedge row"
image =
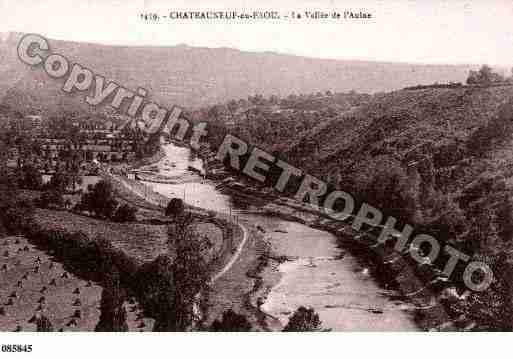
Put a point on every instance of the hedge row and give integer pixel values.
(95, 259)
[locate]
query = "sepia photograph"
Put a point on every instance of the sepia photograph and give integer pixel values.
(337, 167)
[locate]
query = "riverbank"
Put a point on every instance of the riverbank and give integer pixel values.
(238, 287)
(147, 161)
(153, 205)
(263, 268)
(241, 249)
(398, 275)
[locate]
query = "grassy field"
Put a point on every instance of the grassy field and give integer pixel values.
(33, 283)
(143, 242)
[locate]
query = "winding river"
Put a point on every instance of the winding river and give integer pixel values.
(320, 275)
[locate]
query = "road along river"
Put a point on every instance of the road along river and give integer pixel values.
(318, 274)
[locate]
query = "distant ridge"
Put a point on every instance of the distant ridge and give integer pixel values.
(198, 76)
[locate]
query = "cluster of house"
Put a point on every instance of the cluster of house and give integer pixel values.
(102, 141)
(104, 150)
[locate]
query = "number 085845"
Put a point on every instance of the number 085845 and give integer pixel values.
(16, 348)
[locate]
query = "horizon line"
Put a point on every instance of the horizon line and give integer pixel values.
(4, 35)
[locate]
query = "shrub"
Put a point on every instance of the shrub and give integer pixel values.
(485, 76)
(494, 132)
(43, 323)
(17, 216)
(92, 258)
(171, 287)
(384, 184)
(303, 320)
(231, 322)
(30, 177)
(175, 208)
(125, 213)
(155, 285)
(113, 314)
(99, 199)
(49, 198)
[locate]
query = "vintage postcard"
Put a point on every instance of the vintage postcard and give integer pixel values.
(302, 166)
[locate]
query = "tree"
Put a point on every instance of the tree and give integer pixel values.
(44, 325)
(51, 197)
(231, 322)
(99, 199)
(485, 76)
(73, 169)
(17, 215)
(303, 320)
(125, 213)
(30, 177)
(113, 314)
(156, 282)
(59, 182)
(191, 274)
(175, 208)
(383, 182)
(232, 106)
(65, 179)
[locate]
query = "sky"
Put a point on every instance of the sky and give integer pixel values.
(429, 31)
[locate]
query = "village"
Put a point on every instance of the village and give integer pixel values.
(94, 140)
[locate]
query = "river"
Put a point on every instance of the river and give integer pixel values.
(320, 275)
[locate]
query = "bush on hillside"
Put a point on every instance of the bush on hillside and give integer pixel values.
(303, 320)
(485, 76)
(171, 287)
(18, 216)
(156, 286)
(29, 177)
(384, 184)
(231, 322)
(99, 200)
(175, 208)
(51, 198)
(43, 324)
(494, 132)
(125, 213)
(113, 314)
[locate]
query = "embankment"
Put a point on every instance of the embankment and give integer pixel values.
(395, 272)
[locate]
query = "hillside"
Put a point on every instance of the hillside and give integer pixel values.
(405, 124)
(196, 76)
(438, 159)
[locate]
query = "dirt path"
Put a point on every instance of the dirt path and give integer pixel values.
(158, 203)
(235, 256)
